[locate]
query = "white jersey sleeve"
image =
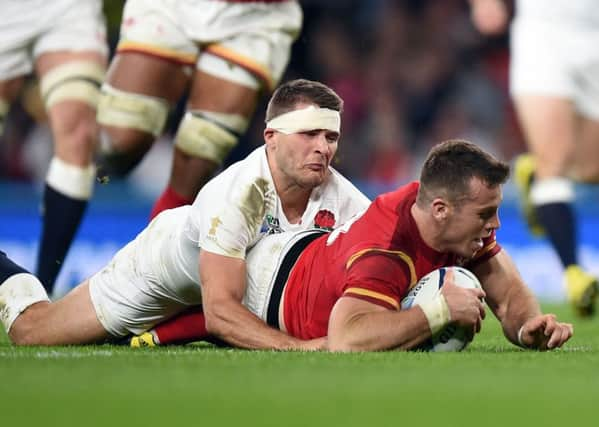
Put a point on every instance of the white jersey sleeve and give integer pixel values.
(228, 212)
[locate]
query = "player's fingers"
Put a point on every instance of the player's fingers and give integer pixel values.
(535, 324)
(449, 276)
(555, 337)
(550, 324)
(481, 310)
(479, 293)
(562, 333)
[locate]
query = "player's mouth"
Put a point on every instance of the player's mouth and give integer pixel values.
(315, 167)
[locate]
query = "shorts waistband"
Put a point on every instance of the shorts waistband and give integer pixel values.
(272, 314)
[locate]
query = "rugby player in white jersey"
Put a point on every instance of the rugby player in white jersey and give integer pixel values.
(64, 43)
(554, 82)
(196, 254)
(220, 53)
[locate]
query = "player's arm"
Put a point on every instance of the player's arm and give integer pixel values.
(358, 325)
(516, 308)
(223, 285)
(368, 318)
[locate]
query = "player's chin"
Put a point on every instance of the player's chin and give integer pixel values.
(476, 245)
(468, 250)
(314, 178)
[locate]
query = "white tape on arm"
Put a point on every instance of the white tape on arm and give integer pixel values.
(437, 313)
(520, 332)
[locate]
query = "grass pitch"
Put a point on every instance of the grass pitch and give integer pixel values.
(492, 383)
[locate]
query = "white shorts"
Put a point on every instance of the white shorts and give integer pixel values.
(556, 60)
(29, 28)
(144, 283)
(240, 42)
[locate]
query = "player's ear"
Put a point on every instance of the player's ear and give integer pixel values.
(269, 137)
(440, 208)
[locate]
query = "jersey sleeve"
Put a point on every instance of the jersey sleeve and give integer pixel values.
(378, 278)
(229, 215)
(490, 248)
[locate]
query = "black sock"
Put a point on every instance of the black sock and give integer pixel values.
(61, 218)
(560, 225)
(8, 268)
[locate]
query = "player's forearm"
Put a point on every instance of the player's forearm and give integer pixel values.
(520, 306)
(380, 331)
(236, 325)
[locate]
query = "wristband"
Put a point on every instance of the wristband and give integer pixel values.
(520, 331)
(436, 312)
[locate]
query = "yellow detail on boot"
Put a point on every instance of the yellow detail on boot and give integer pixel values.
(524, 169)
(144, 340)
(581, 289)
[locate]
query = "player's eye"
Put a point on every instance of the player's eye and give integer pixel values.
(311, 133)
(487, 214)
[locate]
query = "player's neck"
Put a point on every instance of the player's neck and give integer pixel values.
(427, 228)
(294, 197)
(294, 202)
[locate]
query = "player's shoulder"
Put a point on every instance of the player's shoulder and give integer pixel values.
(339, 185)
(253, 168)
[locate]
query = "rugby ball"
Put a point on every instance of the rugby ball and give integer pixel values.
(451, 337)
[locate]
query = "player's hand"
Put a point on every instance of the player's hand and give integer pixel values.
(544, 332)
(466, 307)
(315, 344)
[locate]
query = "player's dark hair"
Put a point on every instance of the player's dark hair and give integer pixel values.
(450, 167)
(302, 91)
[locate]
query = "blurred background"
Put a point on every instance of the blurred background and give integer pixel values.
(411, 72)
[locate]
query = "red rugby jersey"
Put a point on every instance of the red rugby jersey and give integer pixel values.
(378, 259)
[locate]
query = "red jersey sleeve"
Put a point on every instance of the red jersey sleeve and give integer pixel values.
(379, 278)
(490, 249)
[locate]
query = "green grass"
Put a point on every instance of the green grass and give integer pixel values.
(492, 383)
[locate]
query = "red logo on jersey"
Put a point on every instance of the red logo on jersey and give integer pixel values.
(325, 220)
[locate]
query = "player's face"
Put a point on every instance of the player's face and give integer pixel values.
(304, 157)
(473, 219)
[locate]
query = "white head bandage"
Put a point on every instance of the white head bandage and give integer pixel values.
(309, 118)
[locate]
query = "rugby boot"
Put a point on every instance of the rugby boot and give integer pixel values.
(524, 169)
(144, 340)
(581, 289)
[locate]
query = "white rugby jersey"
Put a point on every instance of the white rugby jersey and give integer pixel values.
(238, 207)
(564, 12)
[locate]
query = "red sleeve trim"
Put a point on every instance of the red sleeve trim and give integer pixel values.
(373, 297)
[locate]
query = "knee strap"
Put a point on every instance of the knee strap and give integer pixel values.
(131, 110)
(73, 81)
(209, 135)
